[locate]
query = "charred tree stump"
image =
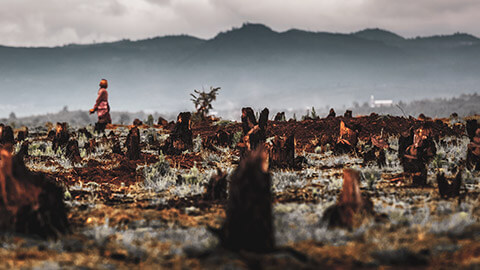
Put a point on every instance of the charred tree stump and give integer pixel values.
(22, 134)
(137, 122)
(61, 136)
(280, 116)
(181, 138)
(471, 128)
(216, 189)
(351, 208)
(162, 122)
(347, 141)
(404, 141)
(282, 152)
(254, 132)
(29, 203)
(348, 114)
(377, 152)
(418, 155)
(449, 190)
(86, 133)
(473, 152)
(133, 144)
(331, 113)
(248, 225)
(72, 151)
(6, 135)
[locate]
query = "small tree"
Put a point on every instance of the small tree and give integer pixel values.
(203, 101)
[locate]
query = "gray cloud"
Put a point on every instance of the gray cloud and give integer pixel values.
(58, 22)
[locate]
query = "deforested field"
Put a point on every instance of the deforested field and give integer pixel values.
(205, 193)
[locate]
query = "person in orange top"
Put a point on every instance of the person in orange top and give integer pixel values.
(102, 107)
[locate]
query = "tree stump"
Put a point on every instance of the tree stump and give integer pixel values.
(347, 140)
(282, 152)
(181, 138)
(22, 134)
(6, 135)
(29, 203)
(351, 208)
(72, 151)
(418, 155)
(254, 132)
(331, 113)
(449, 189)
(61, 136)
(348, 114)
(133, 144)
(473, 152)
(162, 122)
(216, 189)
(248, 225)
(137, 122)
(280, 116)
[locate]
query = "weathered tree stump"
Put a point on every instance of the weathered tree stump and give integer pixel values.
(282, 152)
(449, 189)
(348, 114)
(61, 136)
(331, 113)
(72, 151)
(137, 122)
(248, 225)
(351, 208)
(216, 189)
(347, 140)
(29, 203)
(280, 116)
(254, 132)
(473, 152)
(181, 138)
(418, 155)
(133, 144)
(377, 152)
(162, 121)
(471, 128)
(86, 133)
(6, 135)
(22, 134)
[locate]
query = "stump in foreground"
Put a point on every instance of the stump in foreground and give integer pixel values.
(181, 138)
(29, 203)
(249, 224)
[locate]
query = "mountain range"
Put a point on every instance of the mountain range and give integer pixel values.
(255, 66)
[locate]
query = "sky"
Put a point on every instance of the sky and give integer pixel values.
(60, 22)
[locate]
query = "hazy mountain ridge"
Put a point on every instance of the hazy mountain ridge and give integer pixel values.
(253, 64)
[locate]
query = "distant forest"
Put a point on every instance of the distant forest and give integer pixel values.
(464, 105)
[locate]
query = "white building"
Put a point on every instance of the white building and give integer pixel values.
(380, 103)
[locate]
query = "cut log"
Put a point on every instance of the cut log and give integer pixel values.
(249, 225)
(29, 203)
(351, 208)
(133, 144)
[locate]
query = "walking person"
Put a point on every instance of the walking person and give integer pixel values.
(102, 107)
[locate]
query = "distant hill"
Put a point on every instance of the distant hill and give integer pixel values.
(255, 66)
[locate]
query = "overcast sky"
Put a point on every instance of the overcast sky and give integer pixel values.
(59, 22)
